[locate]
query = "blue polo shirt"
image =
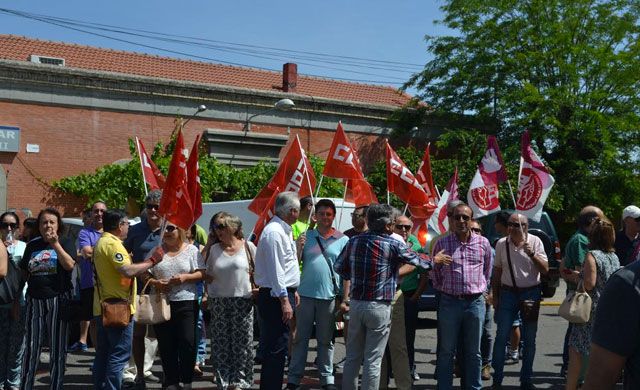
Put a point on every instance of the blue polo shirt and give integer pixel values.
(315, 281)
(140, 240)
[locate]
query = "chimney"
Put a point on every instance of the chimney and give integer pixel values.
(289, 77)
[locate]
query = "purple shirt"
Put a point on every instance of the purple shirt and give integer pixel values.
(470, 270)
(87, 236)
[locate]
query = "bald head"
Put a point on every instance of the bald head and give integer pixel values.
(517, 225)
(587, 215)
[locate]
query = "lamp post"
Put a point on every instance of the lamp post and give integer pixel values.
(280, 105)
(201, 108)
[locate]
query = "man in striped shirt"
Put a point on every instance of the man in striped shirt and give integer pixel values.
(461, 307)
(369, 265)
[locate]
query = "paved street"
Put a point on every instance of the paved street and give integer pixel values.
(546, 367)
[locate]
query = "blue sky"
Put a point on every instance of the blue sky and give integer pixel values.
(373, 29)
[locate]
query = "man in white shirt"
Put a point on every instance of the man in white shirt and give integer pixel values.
(278, 275)
(520, 260)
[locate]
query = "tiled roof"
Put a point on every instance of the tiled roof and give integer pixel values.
(86, 57)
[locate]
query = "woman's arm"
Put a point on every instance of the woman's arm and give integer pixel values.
(589, 273)
(4, 260)
(66, 261)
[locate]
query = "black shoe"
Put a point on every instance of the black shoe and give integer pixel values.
(527, 386)
(329, 387)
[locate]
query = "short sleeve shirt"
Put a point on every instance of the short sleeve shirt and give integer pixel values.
(574, 253)
(298, 228)
(410, 282)
(315, 280)
(47, 278)
(109, 255)
(186, 261)
(87, 237)
(141, 240)
(525, 271)
(617, 321)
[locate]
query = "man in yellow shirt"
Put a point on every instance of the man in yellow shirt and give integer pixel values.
(114, 279)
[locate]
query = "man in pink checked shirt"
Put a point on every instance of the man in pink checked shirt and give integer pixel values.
(461, 308)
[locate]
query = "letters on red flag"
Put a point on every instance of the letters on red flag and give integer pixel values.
(342, 160)
(152, 175)
(293, 174)
(425, 178)
(265, 216)
(360, 192)
(193, 181)
(401, 182)
(175, 204)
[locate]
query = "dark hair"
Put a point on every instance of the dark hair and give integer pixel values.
(306, 201)
(602, 235)
(112, 218)
(380, 215)
(502, 218)
(326, 203)
(55, 213)
(11, 213)
(193, 230)
(586, 217)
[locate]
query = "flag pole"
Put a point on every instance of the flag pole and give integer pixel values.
(388, 202)
(144, 178)
(437, 191)
(344, 196)
(406, 207)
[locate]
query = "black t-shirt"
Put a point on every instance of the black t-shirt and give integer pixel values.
(47, 278)
(617, 323)
(624, 248)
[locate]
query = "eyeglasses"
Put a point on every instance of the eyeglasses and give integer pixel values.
(403, 227)
(476, 230)
(153, 207)
(99, 211)
(12, 225)
(462, 217)
(219, 226)
(125, 223)
(170, 228)
(357, 215)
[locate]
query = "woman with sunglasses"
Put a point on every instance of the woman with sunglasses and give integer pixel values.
(11, 314)
(181, 268)
(47, 262)
(229, 266)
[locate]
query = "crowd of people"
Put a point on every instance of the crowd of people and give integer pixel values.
(302, 278)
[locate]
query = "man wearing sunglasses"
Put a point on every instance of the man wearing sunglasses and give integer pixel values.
(520, 261)
(461, 308)
(628, 234)
(358, 221)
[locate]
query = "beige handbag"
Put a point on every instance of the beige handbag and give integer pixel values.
(152, 308)
(576, 307)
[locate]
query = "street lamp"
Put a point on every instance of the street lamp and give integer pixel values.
(201, 108)
(280, 105)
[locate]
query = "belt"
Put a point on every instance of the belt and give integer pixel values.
(519, 289)
(465, 297)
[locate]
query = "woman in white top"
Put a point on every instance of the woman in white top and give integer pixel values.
(176, 275)
(12, 314)
(229, 269)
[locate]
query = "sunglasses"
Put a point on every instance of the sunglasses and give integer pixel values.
(516, 224)
(170, 229)
(153, 207)
(12, 225)
(462, 217)
(403, 227)
(476, 230)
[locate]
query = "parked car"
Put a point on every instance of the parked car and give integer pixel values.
(546, 231)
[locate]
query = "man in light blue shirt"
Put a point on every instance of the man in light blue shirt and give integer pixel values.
(318, 289)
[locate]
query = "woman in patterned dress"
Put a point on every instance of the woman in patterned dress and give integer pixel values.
(599, 264)
(229, 268)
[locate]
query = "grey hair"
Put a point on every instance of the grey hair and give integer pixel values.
(380, 215)
(453, 204)
(285, 201)
(153, 196)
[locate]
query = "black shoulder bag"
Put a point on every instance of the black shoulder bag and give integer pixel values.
(11, 283)
(529, 308)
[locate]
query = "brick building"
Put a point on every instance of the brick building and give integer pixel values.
(67, 109)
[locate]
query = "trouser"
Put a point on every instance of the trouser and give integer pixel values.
(486, 343)
(369, 325)
(321, 313)
(177, 342)
(507, 311)
(397, 348)
(460, 317)
(43, 318)
(12, 342)
(275, 335)
(410, 325)
(201, 338)
(150, 343)
(231, 332)
(113, 349)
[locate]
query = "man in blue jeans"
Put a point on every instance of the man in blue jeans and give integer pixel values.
(520, 260)
(461, 308)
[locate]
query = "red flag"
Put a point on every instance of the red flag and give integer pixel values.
(534, 183)
(152, 174)
(483, 195)
(360, 192)
(401, 182)
(193, 181)
(342, 160)
(439, 221)
(293, 174)
(265, 216)
(175, 204)
(425, 178)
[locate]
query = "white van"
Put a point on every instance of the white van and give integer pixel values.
(249, 219)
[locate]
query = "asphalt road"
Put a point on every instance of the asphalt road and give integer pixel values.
(550, 336)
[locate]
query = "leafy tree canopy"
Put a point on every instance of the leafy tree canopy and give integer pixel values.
(565, 70)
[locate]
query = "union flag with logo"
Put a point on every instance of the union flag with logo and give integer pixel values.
(175, 204)
(483, 196)
(439, 221)
(534, 182)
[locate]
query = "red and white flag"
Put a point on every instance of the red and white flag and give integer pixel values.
(483, 195)
(193, 181)
(534, 182)
(265, 217)
(293, 174)
(175, 204)
(360, 192)
(404, 184)
(439, 221)
(425, 178)
(152, 175)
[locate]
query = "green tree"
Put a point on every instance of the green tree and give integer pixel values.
(565, 70)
